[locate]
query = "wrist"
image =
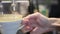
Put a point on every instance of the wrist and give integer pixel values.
(52, 20)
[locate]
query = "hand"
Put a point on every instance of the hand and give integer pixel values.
(36, 23)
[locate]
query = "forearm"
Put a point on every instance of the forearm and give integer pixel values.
(53, 20)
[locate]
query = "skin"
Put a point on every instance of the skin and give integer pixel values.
(38, 24)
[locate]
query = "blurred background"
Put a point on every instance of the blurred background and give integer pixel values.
(49, 8)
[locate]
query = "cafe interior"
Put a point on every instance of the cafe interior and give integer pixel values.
(13, 11)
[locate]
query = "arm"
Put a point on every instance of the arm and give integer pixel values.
(53, 20)
(43, 23)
